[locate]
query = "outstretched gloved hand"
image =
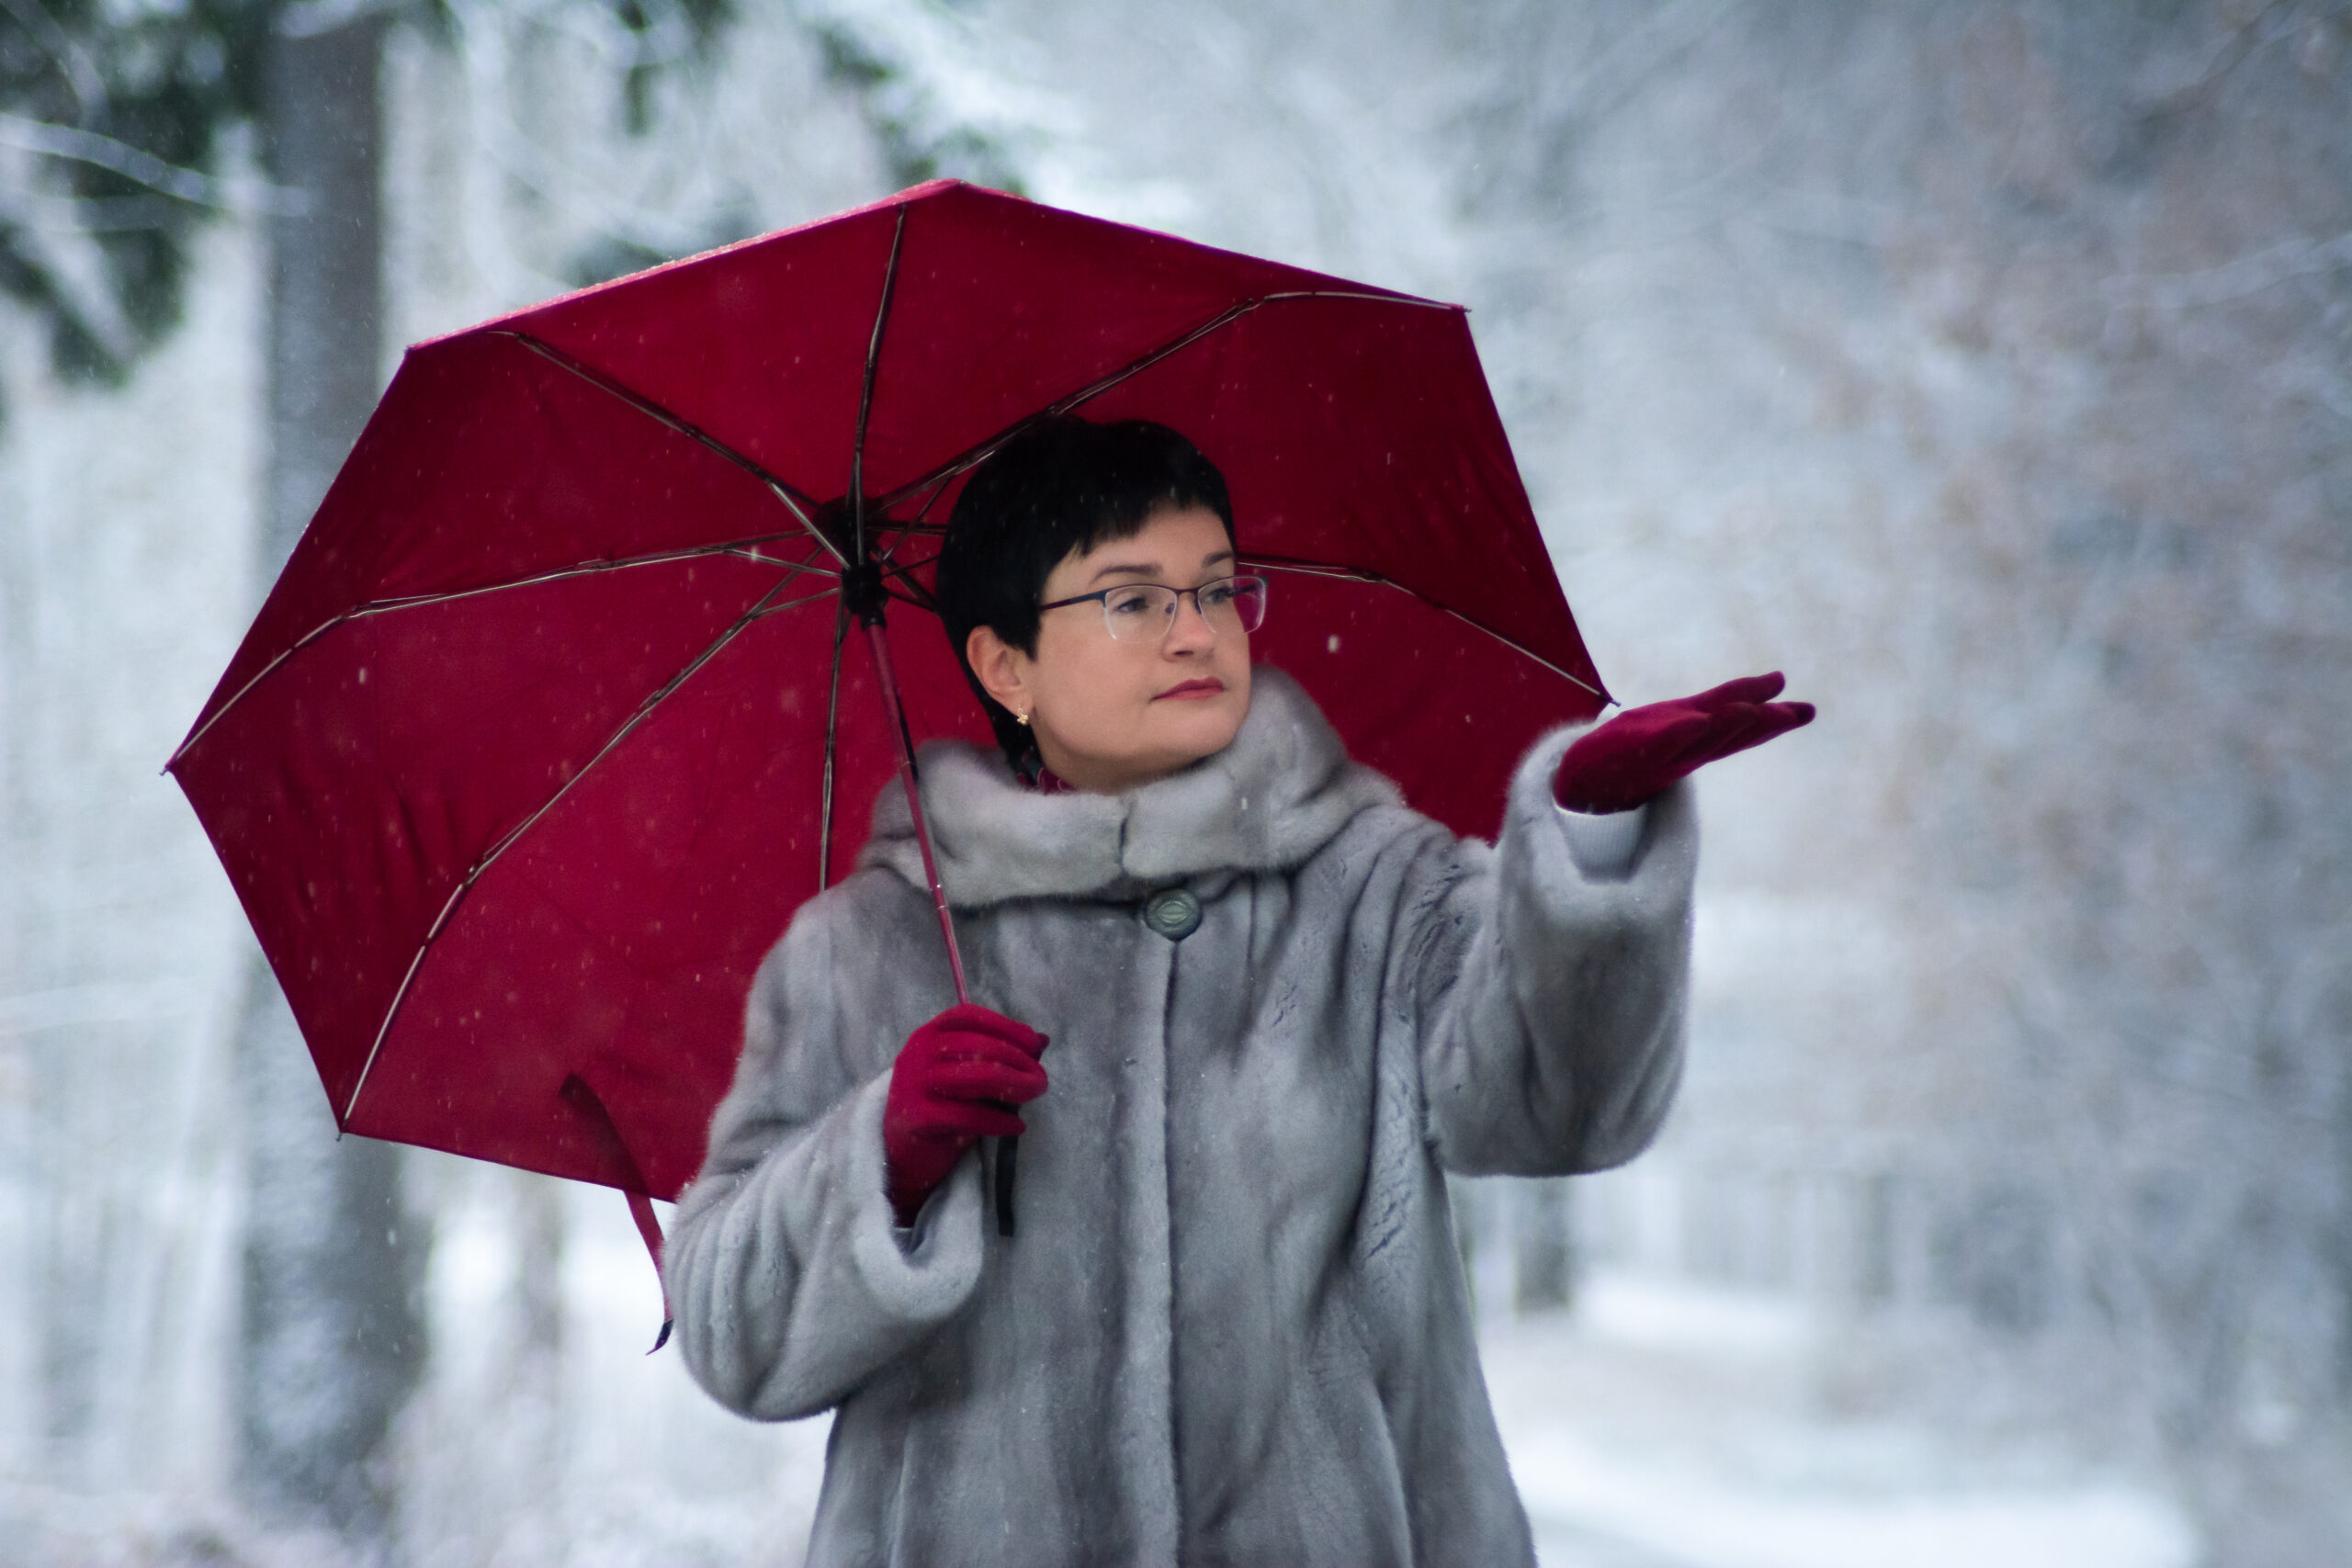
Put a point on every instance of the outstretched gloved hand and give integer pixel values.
(1620, 764)
(956, 1079)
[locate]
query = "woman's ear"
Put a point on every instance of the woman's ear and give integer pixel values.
(1003, 669)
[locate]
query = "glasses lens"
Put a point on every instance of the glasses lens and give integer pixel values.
(1144, 613)
(1140, 614)
(1243, 600)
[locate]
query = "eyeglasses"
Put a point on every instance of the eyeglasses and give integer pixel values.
(1143, 611)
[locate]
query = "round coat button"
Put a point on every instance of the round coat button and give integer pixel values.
(1173, 912)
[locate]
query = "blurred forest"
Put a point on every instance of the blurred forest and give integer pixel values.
(1987, 365)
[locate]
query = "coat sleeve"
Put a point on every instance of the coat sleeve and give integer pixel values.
(789, 1279)
(1550, 979)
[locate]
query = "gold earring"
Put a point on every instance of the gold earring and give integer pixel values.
(1022, 719)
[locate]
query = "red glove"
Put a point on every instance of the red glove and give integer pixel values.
(957, 1080)
(1637, 754)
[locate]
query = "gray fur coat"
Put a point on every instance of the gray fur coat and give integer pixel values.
(1232, 1328)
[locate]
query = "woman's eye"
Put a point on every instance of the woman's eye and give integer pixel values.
(1133, 602)
(1217, 596)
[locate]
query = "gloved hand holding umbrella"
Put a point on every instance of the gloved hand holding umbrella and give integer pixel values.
(958, 1080)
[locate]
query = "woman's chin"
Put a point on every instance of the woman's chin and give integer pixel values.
(1170, 743)
(1207, 729)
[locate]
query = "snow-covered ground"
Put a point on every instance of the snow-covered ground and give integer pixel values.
(1660, 1426)
(1666, 1425)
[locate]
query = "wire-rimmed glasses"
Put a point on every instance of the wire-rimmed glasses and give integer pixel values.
(1143, 611)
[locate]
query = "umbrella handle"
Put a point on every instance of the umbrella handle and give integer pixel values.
(1008, 1153)
(1007, 1149)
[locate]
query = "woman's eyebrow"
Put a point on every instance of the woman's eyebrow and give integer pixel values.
(1151, 569)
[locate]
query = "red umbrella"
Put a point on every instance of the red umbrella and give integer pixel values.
(547, 729)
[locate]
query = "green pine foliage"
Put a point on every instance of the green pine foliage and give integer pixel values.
(114, 118)
(122, 110)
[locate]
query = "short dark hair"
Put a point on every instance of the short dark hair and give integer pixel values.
(1059, 488)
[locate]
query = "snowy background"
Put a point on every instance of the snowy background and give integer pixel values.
(1986, 365)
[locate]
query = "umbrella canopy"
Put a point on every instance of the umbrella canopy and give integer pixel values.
(550, 721)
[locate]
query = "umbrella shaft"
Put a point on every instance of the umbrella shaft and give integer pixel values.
(879, 637)
(1007, 1148)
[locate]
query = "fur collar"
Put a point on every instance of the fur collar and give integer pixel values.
(1265, 803)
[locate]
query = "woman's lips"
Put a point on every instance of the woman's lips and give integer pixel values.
(1191, 690)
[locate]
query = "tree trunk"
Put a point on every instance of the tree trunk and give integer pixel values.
(332, 1336)
(1544, 1245)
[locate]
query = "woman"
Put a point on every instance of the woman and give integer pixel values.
(1233, 1327)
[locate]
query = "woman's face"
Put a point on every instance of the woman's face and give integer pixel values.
(1110, 714)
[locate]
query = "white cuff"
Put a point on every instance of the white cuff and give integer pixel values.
(928, 1279)
(1604, 845)
(911, 1238)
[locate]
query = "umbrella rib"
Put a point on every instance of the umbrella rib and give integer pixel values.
(296, 646)
(924, 511)
(490, 857)
(766, 611)
(909, 591)
(865, 389)
(1359, 574)
(972, 456)
(741, 549)
(800, 506)
(1413, 301)
(793, 569)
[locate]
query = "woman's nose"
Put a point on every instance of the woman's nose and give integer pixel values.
(1189, 629)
